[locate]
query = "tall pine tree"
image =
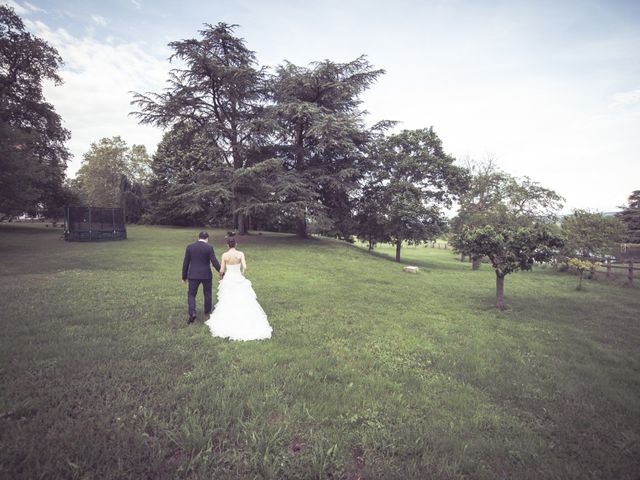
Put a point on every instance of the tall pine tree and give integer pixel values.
(320, 138)
(220, 91)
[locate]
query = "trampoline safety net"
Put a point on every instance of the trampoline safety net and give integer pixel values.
(86, 224)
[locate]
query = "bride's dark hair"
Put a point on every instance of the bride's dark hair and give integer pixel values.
(231, 241)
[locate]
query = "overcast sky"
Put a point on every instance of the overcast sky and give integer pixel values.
(549, 89)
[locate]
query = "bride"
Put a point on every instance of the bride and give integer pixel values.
(237, 315)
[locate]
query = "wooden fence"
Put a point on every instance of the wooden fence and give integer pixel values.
(629, 268)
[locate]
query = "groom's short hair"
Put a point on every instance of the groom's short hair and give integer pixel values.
(203, 235)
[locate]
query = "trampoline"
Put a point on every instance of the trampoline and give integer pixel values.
(89, 224)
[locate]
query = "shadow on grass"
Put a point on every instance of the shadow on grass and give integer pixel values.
(437, 264)
(29, 229)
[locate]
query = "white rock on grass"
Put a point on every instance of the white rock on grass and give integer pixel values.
(410, 269)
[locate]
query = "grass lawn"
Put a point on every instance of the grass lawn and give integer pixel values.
(371, 372)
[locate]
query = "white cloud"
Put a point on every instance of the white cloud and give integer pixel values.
(34, 8)
(536, 91)
(632, 97)
(94, 100)
(98, 20)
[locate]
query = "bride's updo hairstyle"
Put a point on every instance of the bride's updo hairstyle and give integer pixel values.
(231, 239)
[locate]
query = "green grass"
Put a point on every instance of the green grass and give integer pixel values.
(371, 373)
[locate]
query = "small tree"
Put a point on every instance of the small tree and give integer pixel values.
(591, 234)
(581, 266)
(510, 248)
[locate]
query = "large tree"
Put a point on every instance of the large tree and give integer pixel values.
(190, 184)
(411, 179)
(630, 215)
(218, 89)
(320, 138)
(33, 156)
(113, 175)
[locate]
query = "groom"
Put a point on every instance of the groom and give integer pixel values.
(195, 268)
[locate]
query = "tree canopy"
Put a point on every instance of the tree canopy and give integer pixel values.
(113, 175)
(33, 156)
(220, 92)
(320, 137)
(410, 179)
(511, 249)
(514, 231)
(591, 234)
(630, 215)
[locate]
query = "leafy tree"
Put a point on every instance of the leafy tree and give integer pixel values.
(220, 91)
(630, 215)
(511, 249)
(33, 157)
(101, 172)
(110, 176)
(581, 266)
(495, 197)
(486, 190)
(591, 234)
(412, 178)
(515, 231)
(190, 184)
(320, 137)
(370, 222)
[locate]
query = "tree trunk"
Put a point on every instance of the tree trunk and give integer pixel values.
(301, 228)
(242, 224)
(462, 255)
(475, 265)
(500, 291)
(238, 163)
(398, 246)
(579, 287)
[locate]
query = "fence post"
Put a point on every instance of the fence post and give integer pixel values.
(630, 273)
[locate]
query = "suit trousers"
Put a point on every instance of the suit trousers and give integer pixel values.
(193, 290)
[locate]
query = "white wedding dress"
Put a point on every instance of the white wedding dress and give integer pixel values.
(238, 315)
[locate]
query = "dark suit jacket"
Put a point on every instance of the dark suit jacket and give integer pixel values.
(196, 262)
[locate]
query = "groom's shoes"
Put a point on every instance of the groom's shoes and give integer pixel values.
(192, 318)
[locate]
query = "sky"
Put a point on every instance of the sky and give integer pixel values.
(547, 89)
